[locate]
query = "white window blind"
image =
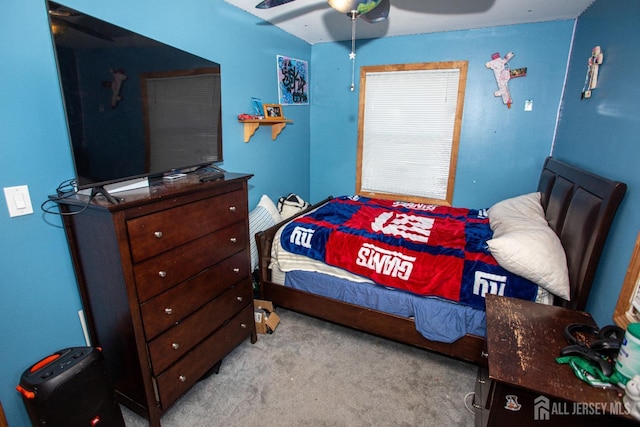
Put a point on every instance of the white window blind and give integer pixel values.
(409, 129)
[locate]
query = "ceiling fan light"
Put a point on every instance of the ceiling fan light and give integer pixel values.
(361, 6)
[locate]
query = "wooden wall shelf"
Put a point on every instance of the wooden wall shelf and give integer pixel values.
(250, 127)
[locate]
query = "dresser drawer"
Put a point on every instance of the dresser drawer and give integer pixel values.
(168, 308)
(161, 272)
(180, 377)
(155, 233)
(174, 343)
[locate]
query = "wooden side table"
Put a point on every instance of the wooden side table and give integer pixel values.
(525, 385)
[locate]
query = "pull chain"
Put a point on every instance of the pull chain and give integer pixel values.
(352, 55)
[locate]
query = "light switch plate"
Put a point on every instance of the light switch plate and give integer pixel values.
(18, 200)
(528, 105)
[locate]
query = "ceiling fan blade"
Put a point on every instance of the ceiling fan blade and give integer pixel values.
(267, 4)
(379, 13)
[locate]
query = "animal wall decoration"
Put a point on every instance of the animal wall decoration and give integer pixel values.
(503, 74)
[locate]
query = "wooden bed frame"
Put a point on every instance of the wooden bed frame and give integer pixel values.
(579, 206)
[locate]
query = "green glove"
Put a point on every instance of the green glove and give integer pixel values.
(588, 372)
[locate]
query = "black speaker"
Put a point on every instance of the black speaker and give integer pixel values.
(70, 388)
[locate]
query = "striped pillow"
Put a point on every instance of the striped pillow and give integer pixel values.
(264, 215)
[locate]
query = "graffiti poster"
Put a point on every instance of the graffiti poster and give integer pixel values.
(293, 81)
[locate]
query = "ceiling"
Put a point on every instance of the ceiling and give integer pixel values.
(316, 22)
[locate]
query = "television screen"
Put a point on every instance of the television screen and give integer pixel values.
(135, 107)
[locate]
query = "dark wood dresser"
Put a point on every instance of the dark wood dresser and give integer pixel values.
(165, 282)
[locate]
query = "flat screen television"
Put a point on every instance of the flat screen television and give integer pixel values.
(135, 107)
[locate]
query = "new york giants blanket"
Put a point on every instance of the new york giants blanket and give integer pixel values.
(425, 249)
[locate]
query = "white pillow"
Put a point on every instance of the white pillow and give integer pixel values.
(524, 244)
(512, 212)
(263, 216)
(268, 204)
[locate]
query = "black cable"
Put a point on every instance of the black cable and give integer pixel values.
(65, 190)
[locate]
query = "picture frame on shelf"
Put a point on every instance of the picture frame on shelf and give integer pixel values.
(628, 307)
(273, 112)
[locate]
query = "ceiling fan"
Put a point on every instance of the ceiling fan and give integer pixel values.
(370, 10)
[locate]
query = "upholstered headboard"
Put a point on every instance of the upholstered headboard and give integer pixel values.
(580, 207)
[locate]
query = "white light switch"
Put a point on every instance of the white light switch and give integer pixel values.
(528, 105)
(18, 200)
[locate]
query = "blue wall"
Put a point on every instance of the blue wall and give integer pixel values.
(496, 143)
(501, 150)
(601, 133)
(39, 300)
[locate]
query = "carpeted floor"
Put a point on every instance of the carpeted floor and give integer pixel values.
(314, 373)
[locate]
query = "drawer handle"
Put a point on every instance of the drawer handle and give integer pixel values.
(182, 378)
(233, 240)
(162, 273)
(158, 234)
(236, 270)
(175, 346)
(481, 381)
(484, 354)
(232, 208)
(239, 298)
(168, 310)
(243, 325)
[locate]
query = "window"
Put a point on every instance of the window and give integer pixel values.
(409, 123)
